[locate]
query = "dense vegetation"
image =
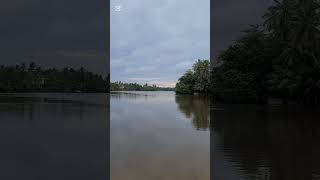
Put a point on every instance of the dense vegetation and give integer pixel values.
(280, 58)
(195, 80)
(32, 78)
(121, 86)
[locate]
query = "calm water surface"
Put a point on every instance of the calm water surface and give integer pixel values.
(159, 136)
(155, 135)
(53, 136)
(251, 142)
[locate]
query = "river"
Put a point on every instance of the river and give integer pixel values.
(50, 136)
(265, 142)
(155, 135)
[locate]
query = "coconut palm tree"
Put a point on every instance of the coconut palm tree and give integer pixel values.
(295, 23)
(279, 17)
(305, 36)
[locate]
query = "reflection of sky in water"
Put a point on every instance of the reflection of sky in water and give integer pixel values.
(152, 139)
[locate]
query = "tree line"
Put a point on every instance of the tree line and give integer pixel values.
(196, 79)
(32, 78)
(121, 86)
(279, 58)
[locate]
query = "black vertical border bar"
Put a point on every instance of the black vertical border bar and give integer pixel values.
(107, 130)
(211, 32)
(211, 65)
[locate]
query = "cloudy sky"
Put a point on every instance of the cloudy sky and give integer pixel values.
(229, 17)
(157, 41)
(55, 33)
(152, 41)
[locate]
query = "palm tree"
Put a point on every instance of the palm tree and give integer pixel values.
(306, 35)
(295, 23)
(278, 18)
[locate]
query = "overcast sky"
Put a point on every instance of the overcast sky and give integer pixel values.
(229, 17)
(157, 41)
(55, 33)
(152, 41)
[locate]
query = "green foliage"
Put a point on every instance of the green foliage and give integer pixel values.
(186, 83)
(120, 86)
(21, 78)
(195, 80)
(201, 71)
(243, 69)
(279, 59)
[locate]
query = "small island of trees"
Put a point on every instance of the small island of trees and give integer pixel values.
(279, 58)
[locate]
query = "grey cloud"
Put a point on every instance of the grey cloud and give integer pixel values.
(229, 17)
(43, 28)
(150, 37)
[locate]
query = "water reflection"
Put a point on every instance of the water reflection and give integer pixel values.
(152, 139)
(195, 108)
(265, 142)
(53, 136)
(130, 95)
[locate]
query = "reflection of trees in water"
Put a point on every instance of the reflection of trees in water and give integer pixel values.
(268, 143)
(195, 108)
(129, 95)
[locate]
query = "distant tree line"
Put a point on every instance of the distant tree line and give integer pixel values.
(121, 86)
(195, 80)
(32, 78)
